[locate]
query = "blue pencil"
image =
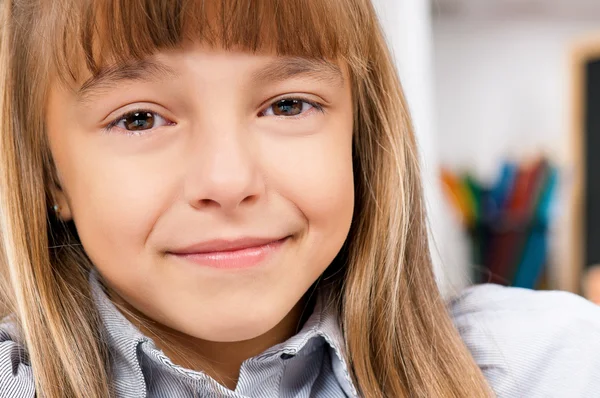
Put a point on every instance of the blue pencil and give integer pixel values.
(536, 249)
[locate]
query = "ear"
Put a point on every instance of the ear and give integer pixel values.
(61, 207)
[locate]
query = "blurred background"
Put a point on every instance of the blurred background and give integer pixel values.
(503, 96)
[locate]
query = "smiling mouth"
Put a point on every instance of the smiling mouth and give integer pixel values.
(231, 254)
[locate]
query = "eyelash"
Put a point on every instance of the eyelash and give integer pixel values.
(110, 126)
(319, 107)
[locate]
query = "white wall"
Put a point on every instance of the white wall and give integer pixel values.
(407, 24)
(503, 89)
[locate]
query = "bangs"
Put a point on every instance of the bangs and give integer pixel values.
(90, 35)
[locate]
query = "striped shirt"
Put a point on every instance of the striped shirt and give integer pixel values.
(528, 344)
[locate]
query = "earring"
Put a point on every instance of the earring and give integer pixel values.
(56, 209)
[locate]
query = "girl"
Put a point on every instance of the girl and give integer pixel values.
(222, 199)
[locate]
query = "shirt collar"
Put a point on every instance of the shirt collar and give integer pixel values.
(126, 342)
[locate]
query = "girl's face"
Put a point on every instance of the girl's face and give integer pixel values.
(168, 166)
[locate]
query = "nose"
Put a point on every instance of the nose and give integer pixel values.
(223, 172)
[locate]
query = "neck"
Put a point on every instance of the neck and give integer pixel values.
(220, 360)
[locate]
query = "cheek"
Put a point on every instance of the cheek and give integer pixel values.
(315, 174)
(115, 202)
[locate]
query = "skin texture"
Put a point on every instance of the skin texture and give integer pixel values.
(220, 162)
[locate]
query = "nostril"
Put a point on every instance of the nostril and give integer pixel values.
(208, 203)
(250, 199)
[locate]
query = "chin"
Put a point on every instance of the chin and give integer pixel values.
(228, 328)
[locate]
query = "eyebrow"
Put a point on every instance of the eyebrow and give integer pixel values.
(288, 67)
(143, 70)
(110, 77)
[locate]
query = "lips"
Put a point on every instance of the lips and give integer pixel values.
(224, 245)
(231, 254)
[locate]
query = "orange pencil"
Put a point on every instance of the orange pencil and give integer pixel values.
(459, 196)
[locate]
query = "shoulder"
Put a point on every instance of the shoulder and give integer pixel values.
(16, 376)
(531, 344)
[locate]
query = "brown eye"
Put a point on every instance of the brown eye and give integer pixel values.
(139, 121)
(288, 107)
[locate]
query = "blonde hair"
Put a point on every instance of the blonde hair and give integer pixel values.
(399, 338)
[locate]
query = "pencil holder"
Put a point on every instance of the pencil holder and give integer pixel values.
(508, 222)
(510, 253)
